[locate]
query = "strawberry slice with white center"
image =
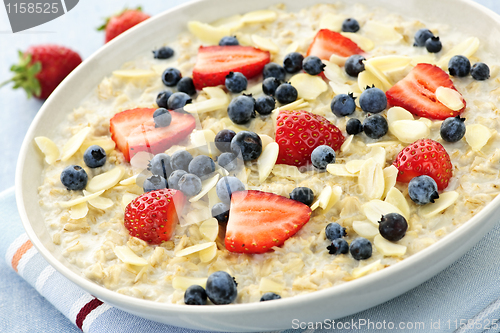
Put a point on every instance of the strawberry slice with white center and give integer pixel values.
(215, 62)
(260, 220)
(134, 131)
(417, 92)
(327, 42)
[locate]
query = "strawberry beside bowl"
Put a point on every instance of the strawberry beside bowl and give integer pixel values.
(330, 303)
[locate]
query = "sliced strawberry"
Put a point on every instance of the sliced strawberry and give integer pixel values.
(134, 131)
(327, 42)
(417, 92)
(260, 220)
(215, 62)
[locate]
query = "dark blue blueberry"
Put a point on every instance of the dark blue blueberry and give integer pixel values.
(221, 212)
(221, 288)
(286, 93)
(163, 52)
(302, 194)
(226, 186)
(74, 178)
(190, 184)
(186, 85)
(334, 231)
(272, 69)
(313, 65)
(459, 66)
(228, 41)
(162, 98)
(223, 140)
(293, 62)
(195, 295)
(421, 36)
(173, 179)
(373, 100)
(171, 76)
(160, 165)
(270, 85)
(433, 45)
(354, 65)
(202, 166)
(393, 226)
(452, 129)
(241, 109)
(375, 126)
(322, 156)
(236, 82)
(343, 105)
(350, 25)
(94, 156)
(480, 71)
(248, 144)
(154, 183)
(178, 100)
(354, 126)
(265, 105)
(180, 160)
(422, 190)
(162, 117)
(228, 161)
(269, 296)
(361, 248)
(338, 246)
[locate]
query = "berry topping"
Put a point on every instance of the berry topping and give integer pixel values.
(221, 212)
(343, 105)
(373, 100)
(375, 126)
(189, 184)
(353, 126)
(202, 166)
(322, 156)
(480, 71)
(163, 52)
(334, 231)
(180, 160)
(459, 66)
(452, 129)
(74, 178)
(241, 109)
(221, 288)
(223, 140)
(94, 156)
(195, 295)
(160, 165)
(293, 62)
(228, 161)
(354, 65)
(123, 21)
(236, 82)
(162, 98)
(162, 117)
(421, 36)
(286, 93)
(228, 41)
(272, 69)
(393, 226)
(173, 179)
(361, 248)
(313, 65)
(171, 76)
(327, 42)
(338, 246)
(433, 45)
(247, 144)
(178, 100)
(154, 183)
(269, 296)
(302, 194)
(422, 190)
(270, 85)
(265, 105)
(226, 186)
(186, 85)
(350, 25)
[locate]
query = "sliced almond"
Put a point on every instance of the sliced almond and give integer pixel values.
(125, 254)
(398, 113)
(374, 210)
(266, 139)
(195, 216)
(292, 106)
(204, 142)
(233, 23)
(390, 63)
(371, 179)
(408, 131)
(368, 79)
(323, 198)
(134, 74)
(445, 200)
(382, 144)
(48, 148)
(398, 200)
(193, 249)
(127, 198)
(339, 170)
(381, 33)
(265, 44)
(308, 86)
(334, 198)
(267, 160)
(390, 177)
(331, 22)
(107, 144)
(365, 229)
(206, 186)
(184, 282)
(378, 155)
(354, 166)
(210, 229)
(347, 143)
(232, 126)
(217, 100)
(78, 211)
(387, 84)
(141, 160)
(213, 198)
(207, 33)
(257, 16)
(105, 180)
(293, 47)
(338, 60)
(129, 181)
(74, 143)
(466, 48)
(364, 270)
(79, 200)
(290, 172)
(269, 285)
(366, 44)
(209, 253)
(388, 248)
(477, 136)
(99, 202)
(450, 98)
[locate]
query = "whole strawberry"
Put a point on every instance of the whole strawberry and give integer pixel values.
(299, 132)
(152, 216)
(123, 21)
(42, 67)
(424, 157)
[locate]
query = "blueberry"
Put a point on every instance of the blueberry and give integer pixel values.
(202, 166)
(195, 295)
(452, 129)
(180, 160)
(178, 100)
(422, 190)
(302, 194)
(228, 41)
(236, 82)
(241, 109)
(322, 156)
(361, 248)
(272, 69)
(286, 93)
(248, 144)
(421, 36)
(343, 105)
(162, 117)
(228, 161)
(163, 52)
(270, 85)
(293, 62)
(459, 66)
(221, 288)
(269, 296)
(433, 45)
(313, 65)
(74, 178)
(171, 76)
(480, 71)
(154, 183)
(375, 126)
(354, 65)
(160, 165)
(334, 231)
(226, 186)
(265, 105)
(173, 179)
(94, 156)
(393, 226)
(190, 184)
(162, 98)
(373, 100)
(354, 126)
(221, 212)
(350, 25)
(223, 140)
(186, 85)
(338, 246)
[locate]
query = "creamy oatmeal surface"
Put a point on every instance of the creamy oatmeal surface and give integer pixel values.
(353, 193)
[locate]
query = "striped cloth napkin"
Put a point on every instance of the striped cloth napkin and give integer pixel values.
(464, 298)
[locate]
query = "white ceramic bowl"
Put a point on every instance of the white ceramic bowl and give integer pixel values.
(331, 303)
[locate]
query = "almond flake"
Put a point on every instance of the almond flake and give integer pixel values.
(127, 198)
(388, 248)
(347, 143)
(445, 200)
(323, 198)
(101, 203)
(354, 166)
(382, 144)
(233, 23)
(365, 229)
(269, 285)
(338, 60)
(390, 176)
(387, 84)
(79, 200)
(374, 210)
(129, 181)
(371, 179)
(255, 90)
(290, 107)
(78, 211)
(204, 142)
(107, 144)
(364, 270)
(230, 125)
(266, 139)
(366, 44)
(195, 216)
(398, 113)
(267, 160)
(334, 198)
(450, 98)
(293, 47)
(477, 136)
(308, 86)
(105, 180)
(265, 44)
(381, 33)
(368, 79)
(207, 33)
(210, 229)
(125, 254)
(331, 22)
(209, 253)
(466, 48)
(193, 249)
(74, 143)
(141, 160)
(398, 200)
(290, 172)
(257, 16)
(213, 198)
(184, 282)
(378, 155)
(48, 148)
(206, 186)
(134, 74)
(408, 131)
(339, 170)
(217, 100)
(390, 63)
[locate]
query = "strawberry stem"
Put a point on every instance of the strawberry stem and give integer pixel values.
(25, 75)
